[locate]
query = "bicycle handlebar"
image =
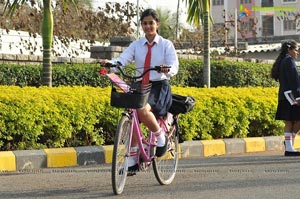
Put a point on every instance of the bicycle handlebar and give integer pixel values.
(118, 66)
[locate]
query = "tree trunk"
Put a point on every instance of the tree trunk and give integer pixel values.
(47, 36)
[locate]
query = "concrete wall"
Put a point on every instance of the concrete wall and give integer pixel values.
(117, 46)
(38, 59)
(32, 59)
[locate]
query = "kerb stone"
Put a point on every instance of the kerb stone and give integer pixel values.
(30, 159)
(90, 155)
(191, 149)
(234, 146)
(274, 143)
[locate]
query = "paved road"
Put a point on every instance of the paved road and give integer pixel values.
(261, 176)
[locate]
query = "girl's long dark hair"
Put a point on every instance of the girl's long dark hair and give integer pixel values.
(284, 50)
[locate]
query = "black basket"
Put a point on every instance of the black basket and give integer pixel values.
(135, 98)
(181, 104)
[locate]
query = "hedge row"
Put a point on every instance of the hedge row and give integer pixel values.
(223, 73)
(63, 75)
(34, 118)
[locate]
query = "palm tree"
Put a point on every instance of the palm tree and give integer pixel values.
(199, 12)
(47, 33)
(166, 27)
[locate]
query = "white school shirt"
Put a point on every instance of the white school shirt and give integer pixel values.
(163, 52)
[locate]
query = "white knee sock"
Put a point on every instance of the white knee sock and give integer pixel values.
(132, 159)
(161, 139)
(288, 140)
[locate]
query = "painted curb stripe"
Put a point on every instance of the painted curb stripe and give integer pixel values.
(108, 151)
(7, 161)
(61, 157)
(297, 142)
(179, 151)
(213, 147)
(255, 144)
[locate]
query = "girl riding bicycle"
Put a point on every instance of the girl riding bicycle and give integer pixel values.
(151, 50)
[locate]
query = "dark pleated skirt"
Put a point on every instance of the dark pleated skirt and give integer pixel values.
(287, 112)
(160, 98)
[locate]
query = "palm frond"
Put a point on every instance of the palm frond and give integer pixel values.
(11, 7)
(196, 11)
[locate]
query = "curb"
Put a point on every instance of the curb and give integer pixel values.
(94, 155)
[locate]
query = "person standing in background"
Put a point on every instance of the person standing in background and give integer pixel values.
(285, 71)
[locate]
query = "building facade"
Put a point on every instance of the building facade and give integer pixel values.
(266, 19)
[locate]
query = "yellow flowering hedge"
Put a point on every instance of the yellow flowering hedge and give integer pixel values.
(226, 112)
(33, 118)
(52, 117)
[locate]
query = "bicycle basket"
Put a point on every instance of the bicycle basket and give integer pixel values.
(136, 98)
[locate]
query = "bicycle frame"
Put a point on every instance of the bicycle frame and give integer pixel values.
(137, 132)
(135, 128)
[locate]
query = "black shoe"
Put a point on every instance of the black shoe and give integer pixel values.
(134, 168)
(292, 153)
(131, 170)
(160, 151)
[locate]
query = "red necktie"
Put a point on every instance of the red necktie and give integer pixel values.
(147, 63)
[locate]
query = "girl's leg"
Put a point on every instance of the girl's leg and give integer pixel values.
(289, 128)
(132, 159)
(288, 136)
(148, 118)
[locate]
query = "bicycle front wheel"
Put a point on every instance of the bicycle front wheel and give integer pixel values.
(120, 155)
(165, 167)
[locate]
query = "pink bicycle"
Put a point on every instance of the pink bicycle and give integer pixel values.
(132, 98)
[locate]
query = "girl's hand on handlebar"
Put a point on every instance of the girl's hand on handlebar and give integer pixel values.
(164, 68)
(105, 63)
(106, 66)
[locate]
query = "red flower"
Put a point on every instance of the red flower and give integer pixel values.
(102, 71)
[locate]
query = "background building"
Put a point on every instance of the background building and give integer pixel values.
(258, 20)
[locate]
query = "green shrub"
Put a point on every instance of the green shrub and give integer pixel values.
(227, 112)
(76, 111)
(50, 117)
(63, 75)
(223, 73)
(33, 118)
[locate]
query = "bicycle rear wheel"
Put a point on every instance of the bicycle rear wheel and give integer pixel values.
(165, 167)
(120, 155)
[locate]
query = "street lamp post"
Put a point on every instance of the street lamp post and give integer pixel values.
(177, 21)
(137, 20)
